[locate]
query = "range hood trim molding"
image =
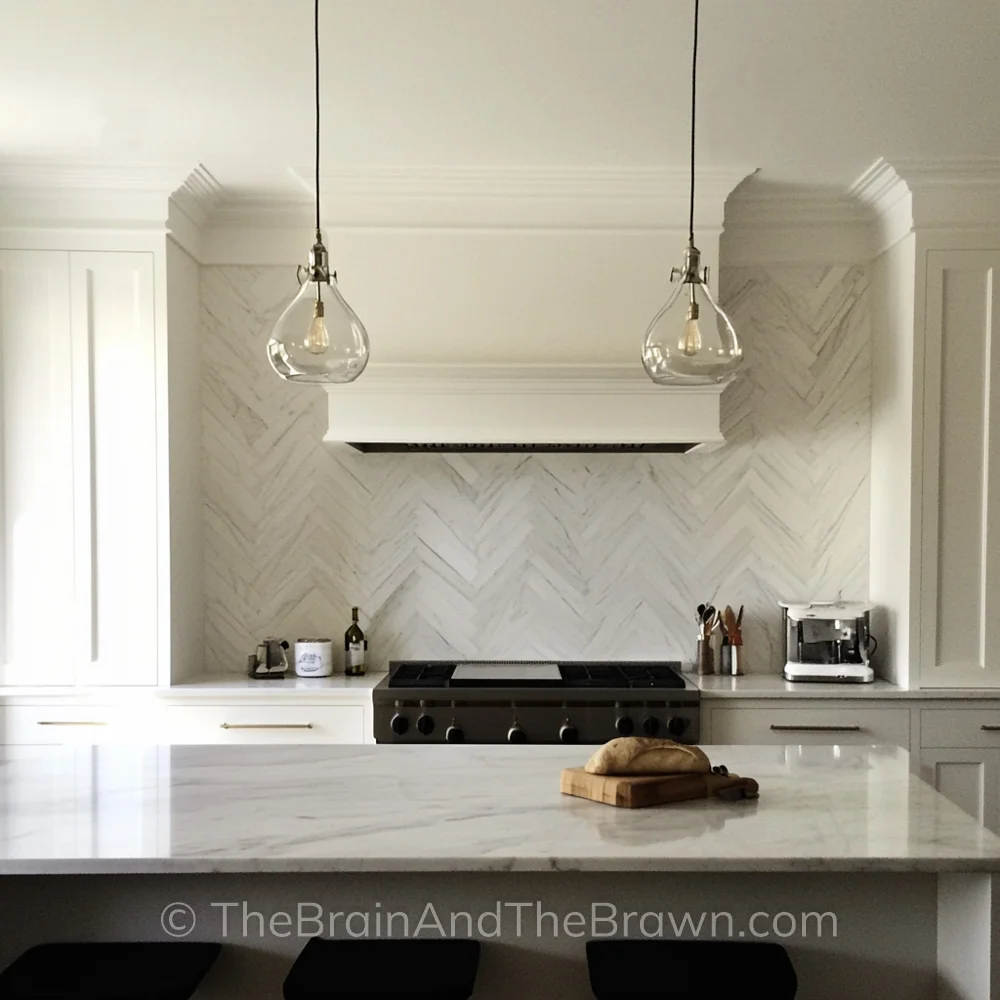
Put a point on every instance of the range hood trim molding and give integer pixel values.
(545, 405)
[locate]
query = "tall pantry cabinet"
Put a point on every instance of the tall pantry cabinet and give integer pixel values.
(935, 485)
(100, 570)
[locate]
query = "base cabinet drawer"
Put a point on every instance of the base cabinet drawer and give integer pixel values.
(812, 726)
(265, 724)
(960, 727)
(25, 725)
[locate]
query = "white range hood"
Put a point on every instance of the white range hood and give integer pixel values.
(476, 407)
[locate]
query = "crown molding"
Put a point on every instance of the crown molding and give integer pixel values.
(785, 224)
(915, 195)
(265, 229)
(485, 198)
(191, 206)
(91, 195)
(889, 199)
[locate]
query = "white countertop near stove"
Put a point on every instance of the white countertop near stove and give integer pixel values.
(122, 809)
(775, 686)
(336, 686)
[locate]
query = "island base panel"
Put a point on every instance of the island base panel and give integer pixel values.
(887, 924)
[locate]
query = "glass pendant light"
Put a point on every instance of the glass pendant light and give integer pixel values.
(691, 340)
(318, 338)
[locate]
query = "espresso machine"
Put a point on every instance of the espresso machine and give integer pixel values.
(828, 641)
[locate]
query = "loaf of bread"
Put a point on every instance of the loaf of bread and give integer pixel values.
(642, 755)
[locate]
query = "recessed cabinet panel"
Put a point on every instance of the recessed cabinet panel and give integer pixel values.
(115, 376)
(38, 563)
(960, 572)
(963, 783)
(968, 777)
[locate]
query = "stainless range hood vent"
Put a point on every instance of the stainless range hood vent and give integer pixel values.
(376, 447)
(591, 408)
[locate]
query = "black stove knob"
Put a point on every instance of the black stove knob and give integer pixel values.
(399, 724)
(425, 725)
(625, 726)
(454, 734)
(568, 732)
(650, 725)
(676, 725)
(516, 734)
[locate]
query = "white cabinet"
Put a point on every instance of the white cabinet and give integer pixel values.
(80, 721)
(970, 778)
(960, 727)
(781, 723)
(37, 601)
(79, 468)
(958, 600)
(254, 723)
(935, 469)
(960, 756)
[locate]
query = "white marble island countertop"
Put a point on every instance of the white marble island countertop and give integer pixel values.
(469, 808)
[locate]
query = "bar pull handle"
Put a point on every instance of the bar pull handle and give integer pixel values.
(69, 722)
(815, 729)
(990, 729)
(266, 725)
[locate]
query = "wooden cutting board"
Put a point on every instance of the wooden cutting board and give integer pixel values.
(637, 791)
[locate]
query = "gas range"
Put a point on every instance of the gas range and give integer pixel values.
(513, 701)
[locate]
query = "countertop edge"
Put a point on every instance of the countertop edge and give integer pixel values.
(349, 866)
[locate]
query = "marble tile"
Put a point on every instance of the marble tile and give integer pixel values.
(513, 556)
(472, 808)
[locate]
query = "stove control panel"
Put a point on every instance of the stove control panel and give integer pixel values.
(424, 721)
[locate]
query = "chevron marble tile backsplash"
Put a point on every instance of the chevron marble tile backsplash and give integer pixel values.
(512, 556)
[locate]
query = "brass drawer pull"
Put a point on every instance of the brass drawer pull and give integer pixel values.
(815, 729)
(990, 729)
(266, 725)
(47, 722)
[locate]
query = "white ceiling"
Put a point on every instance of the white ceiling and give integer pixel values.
(809, 91)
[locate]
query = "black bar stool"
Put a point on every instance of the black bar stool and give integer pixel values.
(433, 969)
(689, 970)
(100, 970)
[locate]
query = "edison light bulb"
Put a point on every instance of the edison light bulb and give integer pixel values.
(707, 351)
(690, 342)
(318, 338)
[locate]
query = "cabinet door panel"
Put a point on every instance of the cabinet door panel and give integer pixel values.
(959, 576)
(116, 504)
(38, 558)
(968, 778)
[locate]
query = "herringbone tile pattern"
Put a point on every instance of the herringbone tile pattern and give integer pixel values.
(514, 556)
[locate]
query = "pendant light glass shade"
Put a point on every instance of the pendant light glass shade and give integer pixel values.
(691, 340)
(318, 338)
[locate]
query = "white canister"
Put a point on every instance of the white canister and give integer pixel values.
(314, 657)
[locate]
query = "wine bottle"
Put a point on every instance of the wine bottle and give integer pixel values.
(355, 645)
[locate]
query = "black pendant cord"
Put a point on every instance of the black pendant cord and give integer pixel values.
(316, 52)
(694, 94)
